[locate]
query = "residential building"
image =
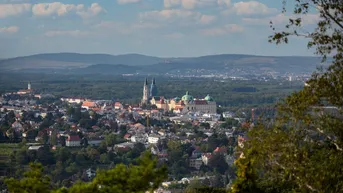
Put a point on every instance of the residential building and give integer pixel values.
(95, 141)
(195, 163)
(153, 139)
(73, 141)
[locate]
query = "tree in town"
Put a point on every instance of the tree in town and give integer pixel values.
(218, 163)
(33, 181)
(146, 176)
(302, 151)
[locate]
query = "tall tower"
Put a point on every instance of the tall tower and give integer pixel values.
(145, 92)
(153, 88)
(29, 86)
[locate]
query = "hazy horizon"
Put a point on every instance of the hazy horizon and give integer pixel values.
(160, 56)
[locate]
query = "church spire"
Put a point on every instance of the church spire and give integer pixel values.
(153, 88)
(145, 97)
(29, 85)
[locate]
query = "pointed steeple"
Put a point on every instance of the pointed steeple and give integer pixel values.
(29, 85)
(153, 88)
(145, 97)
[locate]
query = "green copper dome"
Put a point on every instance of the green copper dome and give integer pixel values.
(187, 97)
(177, 99)
(209, 98)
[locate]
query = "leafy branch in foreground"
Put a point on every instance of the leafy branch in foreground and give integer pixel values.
(302, 151)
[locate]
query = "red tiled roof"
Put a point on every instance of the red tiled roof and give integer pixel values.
(96, 109)
(139, 126)
(74, 138)
(25, 90)
(220, 150)
(180, 103)
(88, 104)
(160, 101)
(208, 155)
(200, 102)
(117, 104)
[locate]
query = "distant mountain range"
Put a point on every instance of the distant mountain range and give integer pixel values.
(136, 63)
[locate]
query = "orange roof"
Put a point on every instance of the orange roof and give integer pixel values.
(200, 102)
(208, 155)
(160, 102)
(180, 103)
(139, 126)
(88, 104)
(96, 109)
(220, 149)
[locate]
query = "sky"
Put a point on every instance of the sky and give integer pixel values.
(164, 28)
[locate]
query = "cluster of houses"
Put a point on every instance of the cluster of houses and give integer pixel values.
(112, 113)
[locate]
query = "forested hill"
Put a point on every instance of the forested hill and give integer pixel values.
(136, 63)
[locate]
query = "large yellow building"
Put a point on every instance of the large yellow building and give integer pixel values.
(186, 104)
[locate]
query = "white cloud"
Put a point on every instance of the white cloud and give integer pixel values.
(10, 29)
(60, 9)
(167, 14)
(92, 11)
(7, 10)
(171, 3)
(127, 1)
(46, 9)
(230, 28)
(190, 4)
(250, 8)
(73, 33)
(206, 19)
(308, 19)
(177, 15)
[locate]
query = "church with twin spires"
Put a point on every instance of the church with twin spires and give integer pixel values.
(187, 103)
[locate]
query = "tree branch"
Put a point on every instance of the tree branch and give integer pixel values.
(306, 184)
(330, 16)
(337, 146)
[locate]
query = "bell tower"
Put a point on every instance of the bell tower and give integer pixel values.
(153, 88)
(145, 97)
(29, 85)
